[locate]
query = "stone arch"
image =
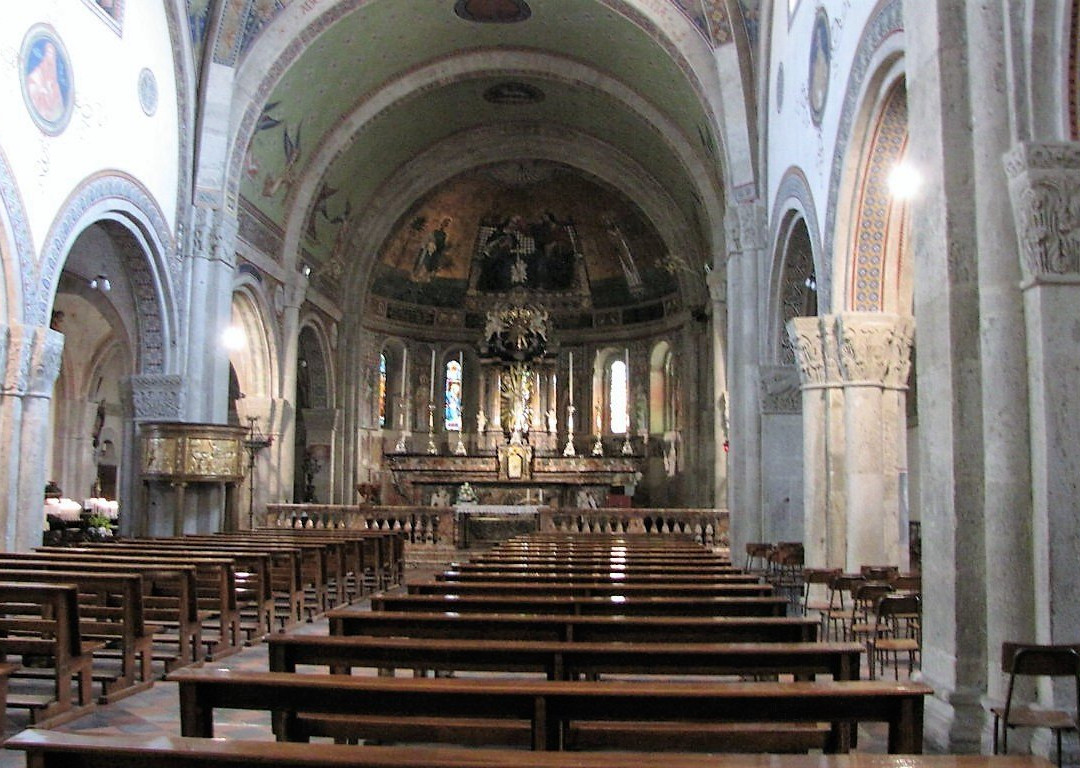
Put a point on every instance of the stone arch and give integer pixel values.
(877, 64)
(256, 362)
(661, 389)
(17, 258)
(147, 252)
(796, 259)
(877, 273)
(314, 355)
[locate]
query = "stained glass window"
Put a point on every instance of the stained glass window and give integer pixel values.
(453, 396)
(617, 398)
(382, 389)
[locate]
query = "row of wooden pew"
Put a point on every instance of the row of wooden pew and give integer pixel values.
(575, 706)
(569, 702)
(101, 622)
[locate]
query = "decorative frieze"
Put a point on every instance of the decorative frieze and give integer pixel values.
(156, 398)
(1044, 186)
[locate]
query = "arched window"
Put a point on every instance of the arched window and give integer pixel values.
(453, 396)
(382, 389)
(618, 386)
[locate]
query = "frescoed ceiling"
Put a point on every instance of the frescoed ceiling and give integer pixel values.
(354, 91)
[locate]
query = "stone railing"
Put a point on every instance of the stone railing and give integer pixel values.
(707, 526)
(434, 526)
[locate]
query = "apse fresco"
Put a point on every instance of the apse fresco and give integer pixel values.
(544, 229)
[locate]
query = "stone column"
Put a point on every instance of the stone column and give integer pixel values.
(719, 342)
(281, 488)
(31, 364)
(824, 503)
(875, 356)
(1044, 183)
(146, 510)
(746, 233)
(210, 274)
(953, 464)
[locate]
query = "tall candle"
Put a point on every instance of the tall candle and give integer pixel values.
(571, 377)
(431, 384)
(404, 369)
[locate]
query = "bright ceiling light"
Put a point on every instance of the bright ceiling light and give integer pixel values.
(904, 181)
(233, 338)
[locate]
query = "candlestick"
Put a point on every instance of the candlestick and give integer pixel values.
(431, 384)
(404, 369)
(571, 376)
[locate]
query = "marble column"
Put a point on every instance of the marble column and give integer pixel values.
(745, 231)
(281, 486)
(1044, 182)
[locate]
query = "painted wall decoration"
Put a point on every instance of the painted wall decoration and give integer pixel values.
(48, 84)
(818, 79)
(111, 11)
(488, 232)
(198, 12)
(148, 92)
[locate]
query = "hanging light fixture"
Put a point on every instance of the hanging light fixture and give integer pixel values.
(101, 283)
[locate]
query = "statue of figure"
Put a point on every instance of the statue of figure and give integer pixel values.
(481, 422)
(552, 421)
(441, 498)
(466, 494)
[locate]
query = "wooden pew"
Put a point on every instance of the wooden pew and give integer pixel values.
(53, 749)
(566, 660)
(169, 596)
(576, 605)
(110, 609)
(260, 578)
(599, 564)
(217, 593)
(593, 575)
(551, 706)
(601, 588)
(41, 621)
(568, 628)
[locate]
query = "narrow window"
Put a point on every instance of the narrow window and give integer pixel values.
(453, 396)
(617, 417)
(382, 389)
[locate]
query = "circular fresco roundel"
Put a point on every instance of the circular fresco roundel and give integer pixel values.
(818, 80)
(48, 86)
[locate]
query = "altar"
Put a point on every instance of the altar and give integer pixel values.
(484, 524)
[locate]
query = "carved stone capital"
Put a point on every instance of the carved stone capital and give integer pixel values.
(780, 390)
(32, 357)
(716, 281)
(746, 227)
(155, 397)
(1044, 186)
(214, 234)
(808, 340)
(875, 348)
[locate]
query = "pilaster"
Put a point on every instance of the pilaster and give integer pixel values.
(1044, 185)
(717, 284)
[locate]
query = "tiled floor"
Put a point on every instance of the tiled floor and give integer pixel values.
(154, 711)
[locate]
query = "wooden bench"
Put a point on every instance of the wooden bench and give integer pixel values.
(593, 575)
(572, 604)
(551, 706)
(169, 597)
(110, 609)
(589, 588)
(52, 749)
(481, 565)
(632, 629)
(40, 621)
(566, 660)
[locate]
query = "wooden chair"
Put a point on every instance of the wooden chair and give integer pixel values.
(816, 581)
(864, 599)
(834, 616)
(757, 551)
(1039, 661)
(897, 630)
